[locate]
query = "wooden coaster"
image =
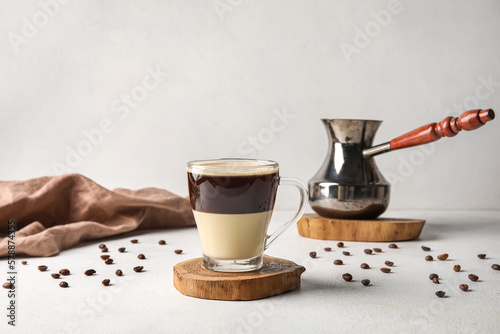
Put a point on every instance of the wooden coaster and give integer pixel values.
(276, 276)
(382, 229)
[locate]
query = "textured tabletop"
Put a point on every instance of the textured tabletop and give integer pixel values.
(401, 301)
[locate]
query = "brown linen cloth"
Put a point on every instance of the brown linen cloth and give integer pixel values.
(56, 212)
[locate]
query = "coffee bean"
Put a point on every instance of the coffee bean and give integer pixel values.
(393, 246)
(311, 254)
(121, 249)
(378, 250)
(104, 250)
(464, 287)
(368, 251)
(473, 277)
(104, 257)
(42, 268)
(389, 263)
(102, 246)
(340, 244)
(55, 275)
(346, 253)
(162, 242)
(338, 262)
(105, 282)
(440, 294)
(431, 276)
(63, 284)
(178, 251)
(138, 269)
(442, 257)
(435, 280)
(108, 261)
(385, 270)
(141, 256)
(429, 258)
(134, 241)
(365, 282)
(495, 266)
(457, 268)
(64, 272)
(365, 266)
(481, 256)
(7, 285)
(347, 277)
(426, 249)
(328, 249)
(24, 262)
(119, 273)
(89, 272)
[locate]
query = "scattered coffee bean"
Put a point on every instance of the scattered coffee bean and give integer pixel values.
(104, 257)
(347, 277)
(141, 256)
(105, 282)
(440, 294)
(63, 284)
(442, 257)
(162, 242)
(389, 263)
(104, 250)
(89, 272)
(312, 254)
(338, 262)
(431, 276)
(346, 253)
(64, 272)
(340, 244)
(464, 287)
(473, 277)
(55, 275)
(7, 285)
(495, 266)
(108, 261)
(102, 246)
(457, 268)
(42, 268)
(178, 251)
(378, 250)
(119, 273)
(429, 258)
(24, 262)
(138, 269)
(121, 249)
(365, 282)
(385, 270)
(134, 241)
(328, 249)
(435, 280)
(481, 256)
(368, 251)
(426, 249)
(393, 246)
(365, 266)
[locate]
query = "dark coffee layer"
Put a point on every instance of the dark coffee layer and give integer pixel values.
(232, 194)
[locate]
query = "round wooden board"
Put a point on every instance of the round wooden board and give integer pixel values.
(381, 229)
(276, 276)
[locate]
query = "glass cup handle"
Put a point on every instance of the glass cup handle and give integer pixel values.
(289, 181)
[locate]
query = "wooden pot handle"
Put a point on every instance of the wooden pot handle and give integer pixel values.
(449, 127)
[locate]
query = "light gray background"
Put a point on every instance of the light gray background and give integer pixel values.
(231, 67)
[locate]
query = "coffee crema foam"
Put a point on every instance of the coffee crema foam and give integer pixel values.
(233, 168)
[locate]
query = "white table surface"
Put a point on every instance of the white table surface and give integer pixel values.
(403, 301)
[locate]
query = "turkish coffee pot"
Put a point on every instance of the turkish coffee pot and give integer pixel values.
(349, 185)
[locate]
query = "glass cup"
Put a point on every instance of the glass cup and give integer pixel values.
(232, 202)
